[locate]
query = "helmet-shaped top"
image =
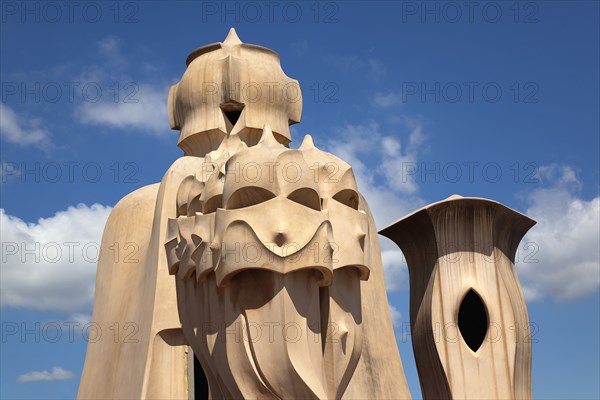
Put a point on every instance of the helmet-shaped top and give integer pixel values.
(232, 88)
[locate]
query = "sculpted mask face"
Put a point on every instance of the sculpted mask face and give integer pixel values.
(273, 255)
(269, 244)
(268, 283)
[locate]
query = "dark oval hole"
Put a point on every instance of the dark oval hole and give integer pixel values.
(472, 320)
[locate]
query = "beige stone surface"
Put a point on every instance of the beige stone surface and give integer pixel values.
(464, 289)
(232, 76)
(270, 284)
(135, 303)
(265, 260)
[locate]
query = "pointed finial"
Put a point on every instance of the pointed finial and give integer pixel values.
(232, 38)
(307, 143)
(267, 138)
(229, 146)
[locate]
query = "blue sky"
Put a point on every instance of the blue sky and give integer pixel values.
(424, 99)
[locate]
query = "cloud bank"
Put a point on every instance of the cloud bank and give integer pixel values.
(57, 374)
(51, 264)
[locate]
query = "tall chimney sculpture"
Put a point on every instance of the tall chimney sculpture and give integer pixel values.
(469, 323)
(264, 260)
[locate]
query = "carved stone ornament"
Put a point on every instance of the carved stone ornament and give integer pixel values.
(262, 259)
(256, 271)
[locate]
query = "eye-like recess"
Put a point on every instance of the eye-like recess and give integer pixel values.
(194, 207)
(248, 196)
(181, 209)
(307, 197)
(472, 320)
(347, 197)
(212, 204)
(232, 111)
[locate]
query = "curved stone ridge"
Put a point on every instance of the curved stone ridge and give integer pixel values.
(254, 233)
(232, 88)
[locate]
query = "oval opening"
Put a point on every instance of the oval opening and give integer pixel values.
(472, 320)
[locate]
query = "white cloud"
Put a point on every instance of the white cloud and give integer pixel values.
(386, 100)
(558, 175)
(397, 162)
(57, 374)
(81, 319)
(394, 266)
(377, 69)
(16, 130)
(124, 102)
(51, 264)
(396, 317)
(373, 68)
(563, 256)
(143, 109)
(389, 196)
(110, 49)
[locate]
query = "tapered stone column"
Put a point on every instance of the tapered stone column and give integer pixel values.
(470, 328)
